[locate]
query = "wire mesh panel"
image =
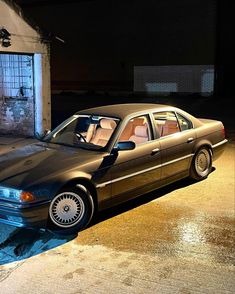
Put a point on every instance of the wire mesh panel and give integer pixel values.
(184, 79)
(16, 75)
(16, 94)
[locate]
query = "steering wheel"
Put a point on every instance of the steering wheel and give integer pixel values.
(81, 137)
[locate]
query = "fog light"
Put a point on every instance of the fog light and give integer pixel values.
(26, 197)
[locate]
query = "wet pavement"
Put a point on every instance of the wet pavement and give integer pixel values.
(178, 239)
(9, 143)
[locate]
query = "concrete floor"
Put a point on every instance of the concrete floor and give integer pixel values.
(179, 239)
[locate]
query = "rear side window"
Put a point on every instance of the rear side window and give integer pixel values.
(184, 123)
(166, 123)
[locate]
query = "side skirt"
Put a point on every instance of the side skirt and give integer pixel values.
(141, 191)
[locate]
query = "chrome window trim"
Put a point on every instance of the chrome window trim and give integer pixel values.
(143, 171)
(150, 129)
(175, 134)
(187, 119)
(172, 111)
(70, 120)
(176, 115)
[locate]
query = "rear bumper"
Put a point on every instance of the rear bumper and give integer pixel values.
(219, 148)
(30, 216)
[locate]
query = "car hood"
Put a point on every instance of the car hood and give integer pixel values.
(30, 163)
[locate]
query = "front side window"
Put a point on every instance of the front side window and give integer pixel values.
(166, 123)
(136, 130)
(85, 131)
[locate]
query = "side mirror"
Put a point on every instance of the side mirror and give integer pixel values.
(125, 145)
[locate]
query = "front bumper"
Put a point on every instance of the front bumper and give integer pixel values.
(33, 215)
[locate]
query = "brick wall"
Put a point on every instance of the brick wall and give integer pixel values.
(17, 116)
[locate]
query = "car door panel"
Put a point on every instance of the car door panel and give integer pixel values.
(136, 168)
(177, 151)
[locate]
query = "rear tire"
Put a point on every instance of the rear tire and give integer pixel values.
(70, 211)
(201, 164)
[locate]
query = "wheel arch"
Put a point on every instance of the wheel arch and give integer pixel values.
(201, 144)
(84, 184)
(194, 173)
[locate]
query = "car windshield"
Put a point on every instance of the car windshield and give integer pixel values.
(84, 131)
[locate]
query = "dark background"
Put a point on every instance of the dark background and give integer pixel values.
(104, 39)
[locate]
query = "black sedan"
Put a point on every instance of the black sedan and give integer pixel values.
(100, 157)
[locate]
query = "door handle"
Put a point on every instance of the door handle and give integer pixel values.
(190, 140)
(155, 151)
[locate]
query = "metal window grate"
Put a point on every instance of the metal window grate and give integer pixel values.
(16, 76)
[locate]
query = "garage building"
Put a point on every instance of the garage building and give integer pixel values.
(25, 98)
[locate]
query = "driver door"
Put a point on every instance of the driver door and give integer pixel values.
(136, 170)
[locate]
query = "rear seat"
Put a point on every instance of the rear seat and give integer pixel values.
(140, 135)
(170, 127)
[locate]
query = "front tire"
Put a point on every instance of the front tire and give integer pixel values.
(201, 164)
(70, 211)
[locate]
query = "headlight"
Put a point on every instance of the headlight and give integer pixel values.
(15, 195)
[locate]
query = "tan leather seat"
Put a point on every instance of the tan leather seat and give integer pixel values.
(90, 132)
(160, 129)
(104, 132)
(130, 127)
(140, 134)
(169, 128)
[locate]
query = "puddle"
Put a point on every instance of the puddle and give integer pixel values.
(165, 230)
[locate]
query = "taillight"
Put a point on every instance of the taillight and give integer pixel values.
(223, 132)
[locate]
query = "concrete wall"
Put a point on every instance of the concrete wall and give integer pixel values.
(26, 39)
(16, 117)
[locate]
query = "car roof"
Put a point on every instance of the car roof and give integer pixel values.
(124, 110)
